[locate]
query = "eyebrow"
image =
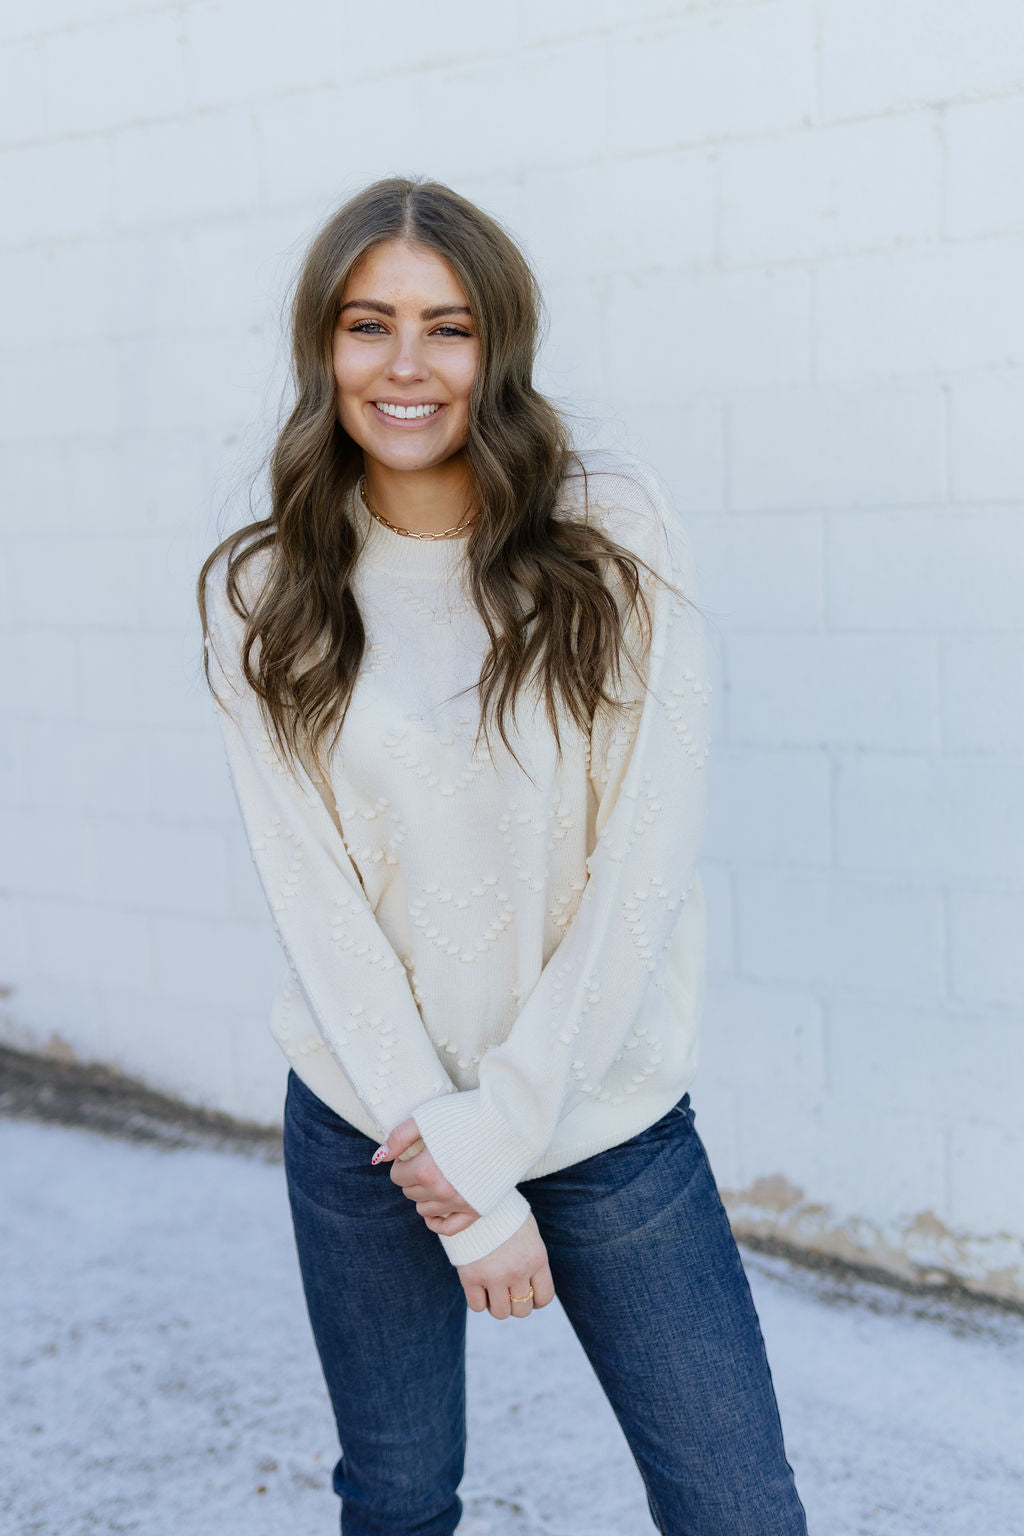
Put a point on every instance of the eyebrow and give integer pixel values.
(434, 313)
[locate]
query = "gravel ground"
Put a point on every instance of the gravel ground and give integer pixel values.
(158, 1374)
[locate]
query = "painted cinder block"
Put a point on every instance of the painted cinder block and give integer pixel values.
(770, 807)
(192, 864)
(27, 296)
(259, 1068)
(44, 1015)
(313, 182)
(93, 379)
(563, 85)
(929, 1062)
(983, 693)
(625, 214)
(859, 691)
(76, 175)
(869, 934)
(684, 437)
(951, 818)
(230, 275)
(838, 446)
(245, 893)
(886, 1161)
(716, 879)
(878, 57)
(110, 775)
(274, 51)
(39, 679)
(986, 426)
(184, 1048)
(188, 777)
(986, 959)
(734, 552)
(163, 478)
(779, 1136)
(187, 168)
(229, 964)
(108, 943)
(13, 938)
(710, 331)
(987, 1177)
(984, 188)
(707, 76)
(923, 310)
(817, 192)
(144, 679)
(35, 482)
(125, 69)
(935, 571)
(48, 852)
(764, 1041)
(81, 579)
(541, 22)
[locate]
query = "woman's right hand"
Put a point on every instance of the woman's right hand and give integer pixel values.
(510, 1270)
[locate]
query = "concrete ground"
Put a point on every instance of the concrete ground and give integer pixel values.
(158, 1375)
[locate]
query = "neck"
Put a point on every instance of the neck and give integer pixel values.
(422, 500)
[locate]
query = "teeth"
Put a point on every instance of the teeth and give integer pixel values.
(406, 412)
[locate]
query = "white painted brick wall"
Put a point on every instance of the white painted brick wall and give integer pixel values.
(781, 244)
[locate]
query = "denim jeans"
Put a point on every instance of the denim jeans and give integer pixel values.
(646, 1269)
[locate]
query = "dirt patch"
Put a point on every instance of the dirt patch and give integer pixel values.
(68, 1092)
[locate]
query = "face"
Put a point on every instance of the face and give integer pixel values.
(405, 354)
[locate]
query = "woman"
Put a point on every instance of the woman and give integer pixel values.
(465, 710)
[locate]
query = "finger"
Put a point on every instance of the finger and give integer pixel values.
(428, 1205)
(439, 1208)
(476, 1298)
(420, 1192)
(498, 1303)
(398, 1141)
(447, 1226)
(421, 1172)
(543, 1286)
(421, 1169)
(520, 1299)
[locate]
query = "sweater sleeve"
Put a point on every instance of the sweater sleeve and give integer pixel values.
(354, 983)
(652, 805)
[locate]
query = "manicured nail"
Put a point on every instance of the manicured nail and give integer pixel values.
(380, 1154)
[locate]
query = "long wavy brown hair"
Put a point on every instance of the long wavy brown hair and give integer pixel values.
(535, 578)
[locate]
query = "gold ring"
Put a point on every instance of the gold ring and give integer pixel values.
(527, 1297)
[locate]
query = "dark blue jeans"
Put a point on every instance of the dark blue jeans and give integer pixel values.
(647, 1270)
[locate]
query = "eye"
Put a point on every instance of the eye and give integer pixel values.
(452, 330)
(366, 327)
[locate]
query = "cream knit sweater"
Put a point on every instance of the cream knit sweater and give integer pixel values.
(518, 964)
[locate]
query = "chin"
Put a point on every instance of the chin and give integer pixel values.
(410, 455)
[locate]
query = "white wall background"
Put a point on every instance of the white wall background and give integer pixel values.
(782, 244)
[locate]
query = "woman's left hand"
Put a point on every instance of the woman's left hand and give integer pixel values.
(421, 1180)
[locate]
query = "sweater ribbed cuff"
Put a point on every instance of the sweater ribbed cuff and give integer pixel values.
(488, 1232)
(474, 1147)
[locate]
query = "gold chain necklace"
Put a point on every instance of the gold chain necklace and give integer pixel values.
(407, 532)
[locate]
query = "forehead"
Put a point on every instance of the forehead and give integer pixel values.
(395, 270)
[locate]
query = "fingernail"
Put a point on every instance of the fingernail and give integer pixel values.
(381, 1153)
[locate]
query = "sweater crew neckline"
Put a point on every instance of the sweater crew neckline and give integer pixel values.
(386, 550)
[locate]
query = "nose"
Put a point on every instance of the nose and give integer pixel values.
(407, 362)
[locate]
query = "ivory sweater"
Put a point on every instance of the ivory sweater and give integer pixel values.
(519, 965)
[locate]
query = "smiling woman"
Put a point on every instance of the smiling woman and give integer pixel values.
(465, 702)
